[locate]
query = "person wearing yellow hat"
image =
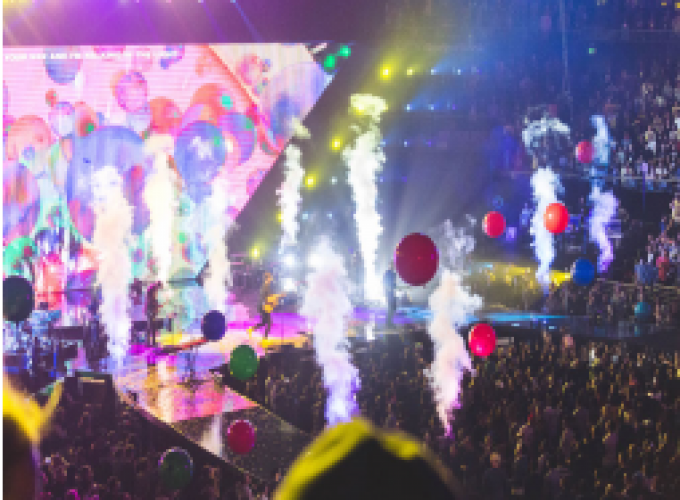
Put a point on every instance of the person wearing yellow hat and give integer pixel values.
(357, 461)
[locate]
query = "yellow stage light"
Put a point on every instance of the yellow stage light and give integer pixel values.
(336, 144)
(310, 181)
(385, 72)
(410, 72)
(255, 253)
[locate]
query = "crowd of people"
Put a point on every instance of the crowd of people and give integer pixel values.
(538, 420)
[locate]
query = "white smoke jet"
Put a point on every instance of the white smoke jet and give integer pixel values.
(546, 138)
(604, 210)
(289, 194)
(602, 142)
(112, 237)
(327, 306)
(456, 243)
(545, 184)
(219, 268)
(365, 159)
(537, 130)
(159, 196)
(450, 303)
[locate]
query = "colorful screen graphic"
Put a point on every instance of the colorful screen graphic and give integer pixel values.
(223, 111)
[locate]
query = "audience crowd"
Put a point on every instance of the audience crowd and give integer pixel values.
(539, 420)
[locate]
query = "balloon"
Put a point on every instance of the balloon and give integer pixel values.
(585, 152)
(643, 311)
(494, 224)
(175, 468)
(62, 64)
(51, 97)
(482, 340)
(556, 218)
(214, 325)
(165, 116)
(241, 437)
(200, 152)
(18, 299)
(132, 91)
(86, 120)
(417, 259)
(582, 272)
(243, 362)
(27, 132)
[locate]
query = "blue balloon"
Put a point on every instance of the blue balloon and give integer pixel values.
(643, 311)
(62, 64)
(200, 152)
(582, 272)
(214, 325)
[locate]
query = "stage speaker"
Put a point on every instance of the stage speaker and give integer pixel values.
(95, 388)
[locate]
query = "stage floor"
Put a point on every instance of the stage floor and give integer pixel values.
(199, 407)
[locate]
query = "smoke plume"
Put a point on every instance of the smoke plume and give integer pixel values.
(365, 159)
(604, 209)
(218, 277)
(159, 196)
(112, 237)
(450, 304)
(545, 184)
(326, 304)
(289, 194)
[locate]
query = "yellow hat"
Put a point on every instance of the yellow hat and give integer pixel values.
(357, 461)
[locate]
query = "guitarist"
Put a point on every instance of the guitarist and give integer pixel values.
(390, 285)
(267, 303)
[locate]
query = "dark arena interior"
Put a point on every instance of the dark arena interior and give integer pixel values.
(297, 249)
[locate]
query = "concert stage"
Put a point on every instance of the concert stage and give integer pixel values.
(182, 388)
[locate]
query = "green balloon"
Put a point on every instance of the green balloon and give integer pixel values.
(175, 468)
(243, 362)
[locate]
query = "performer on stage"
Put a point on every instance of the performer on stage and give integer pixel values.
(390, 284)
(268, 302)
(152, 309)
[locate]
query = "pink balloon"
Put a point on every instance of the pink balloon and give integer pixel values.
(417, 259)
(482, 340)
(494, 224)
(585, 152)
(241, 437)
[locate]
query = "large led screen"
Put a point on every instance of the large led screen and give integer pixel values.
(219, 113)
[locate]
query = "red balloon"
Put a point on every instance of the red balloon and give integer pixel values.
(417, 259)
(494, 224)
(482, 340)
(241, 437)
(585, 152)
(556, 218)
